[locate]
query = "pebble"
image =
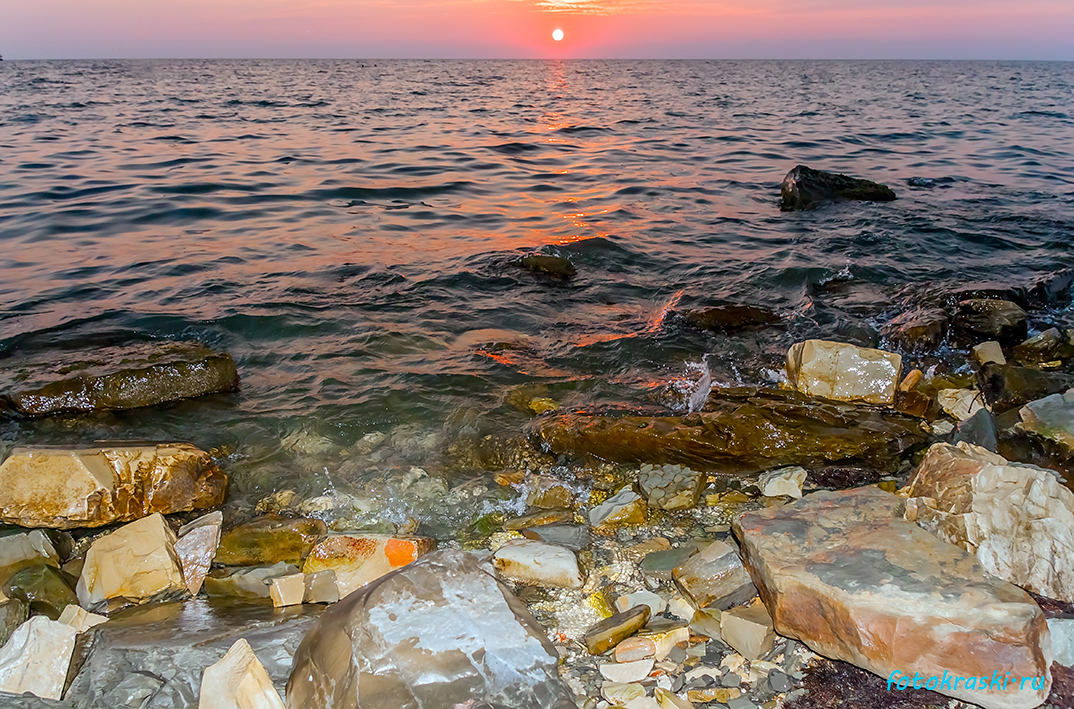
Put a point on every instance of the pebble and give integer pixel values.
(627, 672)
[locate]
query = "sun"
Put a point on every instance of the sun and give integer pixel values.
(557, 34)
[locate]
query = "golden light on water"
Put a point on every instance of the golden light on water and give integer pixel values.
(557, 34)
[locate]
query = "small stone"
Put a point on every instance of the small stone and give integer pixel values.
(785, 481)
(611, 631)
(530, 562)
(960, 404)
(556, 267)
(942, 428)
(358, 559)
(288, 590)
(714, 694)
(626, 672)
(1062, 631)
(269, 540)
(247, 581)
(238, 681)
(620, 693)
(636, 648)
(668, 700)
(538, 519)
(707, 623)
(36, 658)
(668, 639)
(730, 680)
(677, 655)
(990, 351)
(911, 380)
(715, 577)
(320, 587)
(835, 370)
(548, 493)
(541, 405)
(656, 603)
(680, 608)
(779, 682)
(749, 630)
(661, 564)
(196, 548)
(80, 619)
(740, 702)
(626, 507)
(671, 487)
(574, 537)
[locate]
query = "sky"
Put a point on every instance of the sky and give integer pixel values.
(662, 29)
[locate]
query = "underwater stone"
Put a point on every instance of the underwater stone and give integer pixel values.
(728, 318)
(623, 508)
(554, 266)
(611, 631)
(846, 575)
(90, 487)
(269, 540)
(918, 330)
(715, 577)
(836, 370)
(1000, 320)
(116, 378)
(806, 188)
(250, 582)
(17, 551)
(43, 587)
(437, 632)
(670, 487)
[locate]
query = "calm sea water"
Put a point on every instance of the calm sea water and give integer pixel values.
(346, 229)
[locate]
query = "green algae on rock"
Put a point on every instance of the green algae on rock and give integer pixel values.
(44, 588)
(115, 378)
(744, 430)
(269, 540)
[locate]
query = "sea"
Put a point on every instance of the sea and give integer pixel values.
(350, 232)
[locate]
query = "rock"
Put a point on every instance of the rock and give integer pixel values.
(979, 430)
(661, 564)
(669, 700)
(155, 656)
(288, 590)
(785, 481)
(749, 630)
(622, 694)
(845, 574)
(45, 589)
(358, 559)
(238, 681)
(1000, 320)
(1048, 346)
(729, 318)
(990, 351)
(574, 537)
(806, 188)
(556, 267)
(537, 519)
(17, 551)
(13, 613)
(37, 657)
(715, 577)
(623, 508)
(656, 604)
(666, 640)
(960, 404)
(916, 404)
(1062, 632)
(548, 493)
(1008, 387)
(611, 631)
(1017, 519)
(626, 672)
(911, 380)
(670, 487)
(246, 582)
(196, 548)
(1051, 417)
(135, 564)
(529, 562)
(835, 370)
(116, 378)
(270, 540)
(918, 330)
(540, 405)
(632, 649)
(79, 619)
(742, 430)
(437, 632)
(89, 487)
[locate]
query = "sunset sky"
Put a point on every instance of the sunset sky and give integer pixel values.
(971, 29)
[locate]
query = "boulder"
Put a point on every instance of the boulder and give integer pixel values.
(358, 559)
(835, 370)
(249, 582)
(196, 548)
(715, 577)
(992, 319)
(438, 632)
(1008, 387)
(65, 488)
(806, 188)
(36, 658)
(918, 331)
(623, 508)
(17, 551)
(670, 487)
(1017, 519)
(742, 430)
(846, 575)
(1051, 417)
(115, 378)
(555, 267)
(270, 540)
(238, 681)
(749, 630)
(613, 630)
(536, 563)
(44, 588)
(729, 318)
(135, 564)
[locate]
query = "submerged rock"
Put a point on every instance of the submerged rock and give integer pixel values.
(89, 487)
(742, 430)
(918, 330)
(45, 589)
(238, 681)
(625, 507)
(845, 574)
(987, 318)
(836, 370)
(1018, 519)
(17, 551)
(1007, 387)
(37, 657)
(554, 266)
(806, 188)
(250, 582)
(135, 564)
(715, 578)
(670, 487)
(358, 559)
(115, 378)
(611, 631)
(728, 318)
(270, 540)
(439, 632)
(196, 548)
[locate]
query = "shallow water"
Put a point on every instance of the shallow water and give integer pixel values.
(346, 229)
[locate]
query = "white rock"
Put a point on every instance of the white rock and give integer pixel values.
(641, 703)
(669, 700)
(1062, 631)
(960, 404)
(748, 629)
(80, 619)
(625, 672)
(656, 603)
(288, 590)
(836, 370)
(533, 562)
(238, 681)
(17, 551)
(36, 658)
(196, 548)
(619, 693)
(667, 640)
(942, 428)
(785, 481)
(625, 505)
(680, 608)
(989, 352)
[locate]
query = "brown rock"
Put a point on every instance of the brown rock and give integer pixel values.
(1005, 386)
(715, 578)
(358, 559)
(611, 631)
(269, 540)
(89, 487)
(728, 318)
(988, 318)
(844, 573)
(918, 330)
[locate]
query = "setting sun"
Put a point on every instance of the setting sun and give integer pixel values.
(557, 34)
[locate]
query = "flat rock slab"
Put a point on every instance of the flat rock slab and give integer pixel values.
(806, 188)
(845, 574)
(115, 378)
(436, 633)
